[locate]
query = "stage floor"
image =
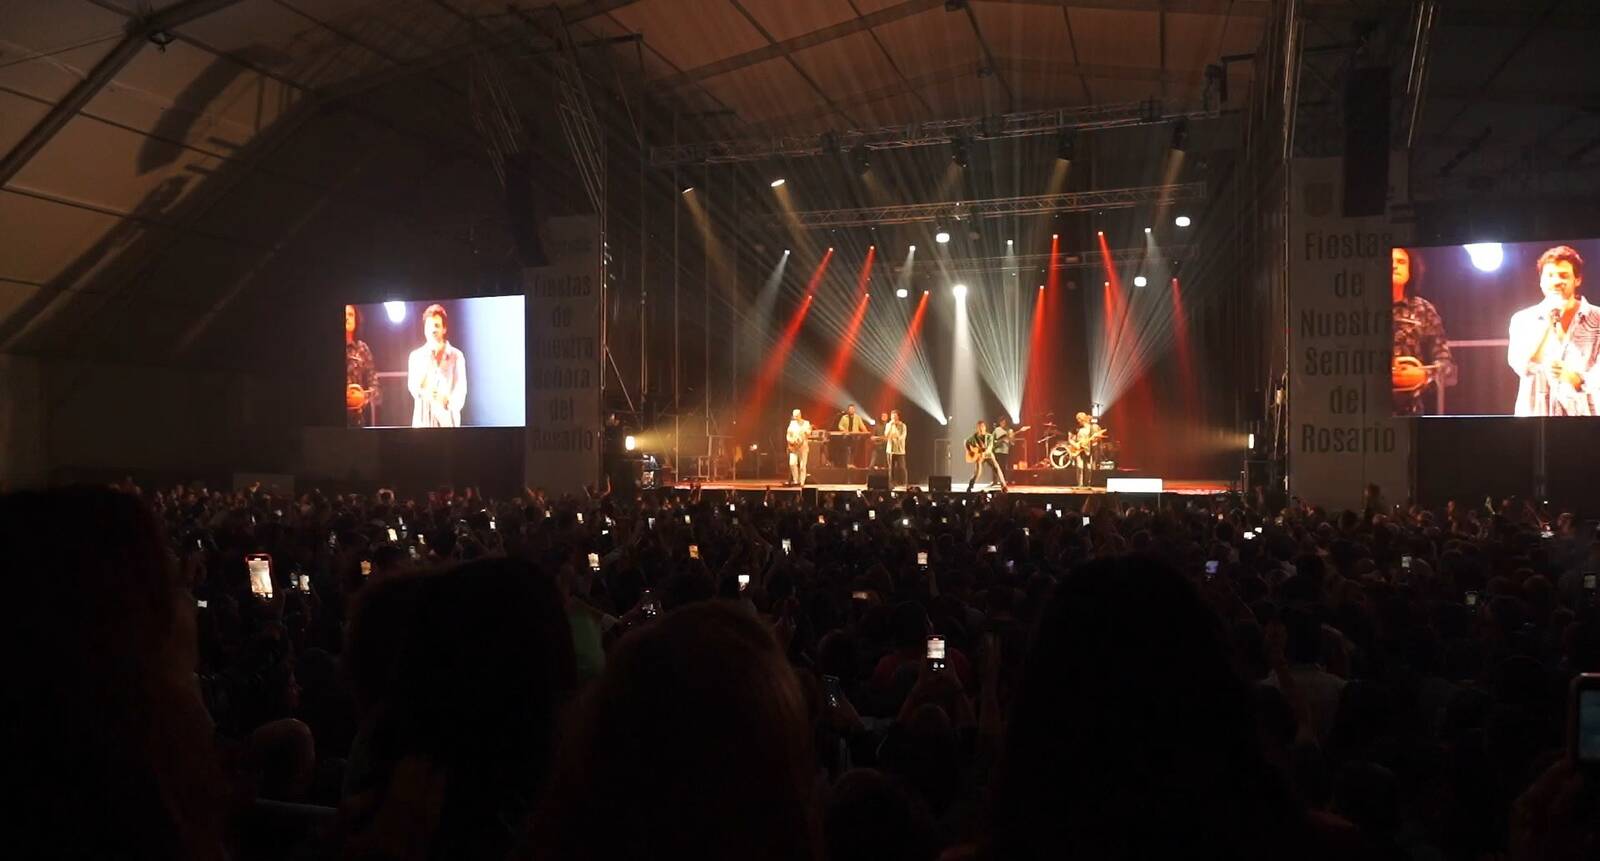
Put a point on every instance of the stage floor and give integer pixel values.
(1182, 488)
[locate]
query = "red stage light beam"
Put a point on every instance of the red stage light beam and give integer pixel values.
(1036, 391)
(772, 368)
(907, 344)
(847, 345)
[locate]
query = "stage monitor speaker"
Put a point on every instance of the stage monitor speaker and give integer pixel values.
(1366, 142)
(938, 484)
(522, 211)
(878, 481)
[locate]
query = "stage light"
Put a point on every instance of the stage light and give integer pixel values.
(786, 252)
(1486, 256)
(1139, 281)
(778, 183)
(830, 247)
(912, 248)
(1147, 230)
(960, 291)
(1010, 241)
(1099, 233)
(629, 442)
(1250, 442)
(942, 237)
(396, 311)
(1182, 221)
(1055, 236)
(902, 293)
(687, 189)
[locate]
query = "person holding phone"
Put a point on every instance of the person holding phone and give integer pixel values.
(437, 375)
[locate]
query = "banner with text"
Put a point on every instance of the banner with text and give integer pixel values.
(1342, 435)
(563, 307)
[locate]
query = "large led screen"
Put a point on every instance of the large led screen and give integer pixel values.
(435, 364)
(1495, 329)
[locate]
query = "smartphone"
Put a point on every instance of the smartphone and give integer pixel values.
(991, 549)
(580, 518)
(393, 536)
(605, 532)
(202, 603)
(860, 596)
(872, 514)
(855, 527)
(333, 541)
(687, 521)
(694, 551)
(822, 518)
(1086, 520)
(1026, 532)
(649, 604)
(594, 562)
(260, 568)
(936, 654)
(1589, 578)
(1058, 514)
(1583, 720)
(730, 508)
(906, 522)
(1211, 567)
(422, 539)
(1472, 599)
(305, 582)
(366, 567)
(1048, 506)
(650, 522)
(922, 558)
(788, 546)
(1249, 535)
(1405, 563)
(415, 556)
(1011, 566)
(492, 527)
(744, 582)
(830, 684)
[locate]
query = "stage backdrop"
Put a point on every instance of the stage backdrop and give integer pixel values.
(563, 441)
(1342, 435)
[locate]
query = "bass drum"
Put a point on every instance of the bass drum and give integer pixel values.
(1061, 455)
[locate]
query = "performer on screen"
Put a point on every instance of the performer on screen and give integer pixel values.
(360, 372)
(894, 441)
(1555, 345)
(1422, 359)
(797, 438)
(980, 450)
(437, 375)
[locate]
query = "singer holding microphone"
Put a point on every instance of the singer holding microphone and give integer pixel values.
(1555, 345)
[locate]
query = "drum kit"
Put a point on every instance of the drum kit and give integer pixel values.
(1063, 448)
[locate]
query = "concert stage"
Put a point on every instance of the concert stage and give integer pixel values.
(757, 485)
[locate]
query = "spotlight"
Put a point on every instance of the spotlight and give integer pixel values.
(687, 189)
(778, 183)
(786, 252)
(1180, 135)
(1066, 145)
(960, 291)
(1055, 236)
(902, 293)
(1250, 442)
(942, 237)
(1182, 221)
(912, 248)
(830, 247)
(396, 311)
(1147, 230)
(1139, 281)
(1010, 241)
(629, 442)
(1486, 256)
(1099, 233)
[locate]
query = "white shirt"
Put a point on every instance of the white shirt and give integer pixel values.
(894, 436)
(1535, 342)
(796, 434)
(426, 377)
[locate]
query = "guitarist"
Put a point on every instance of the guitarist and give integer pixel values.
(1004, 436)
(797, 439)
(980, 450)
(1080, 446)
(1422, 357)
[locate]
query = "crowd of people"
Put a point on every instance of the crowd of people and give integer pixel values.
(840, 676)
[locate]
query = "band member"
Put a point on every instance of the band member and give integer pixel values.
(437, 375)
(894, 441)
(797, 438)
(880, 457)
(851, 422)
(1004, 434)
(980, 450)
(1555, 345)
(1083, 441)
(1422, 359)
(360, 372)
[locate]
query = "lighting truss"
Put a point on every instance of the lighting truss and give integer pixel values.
(957, 210)
(933, 133)
(1038, 262)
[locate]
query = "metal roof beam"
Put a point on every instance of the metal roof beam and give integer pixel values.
(139, 33)
(961, 210)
